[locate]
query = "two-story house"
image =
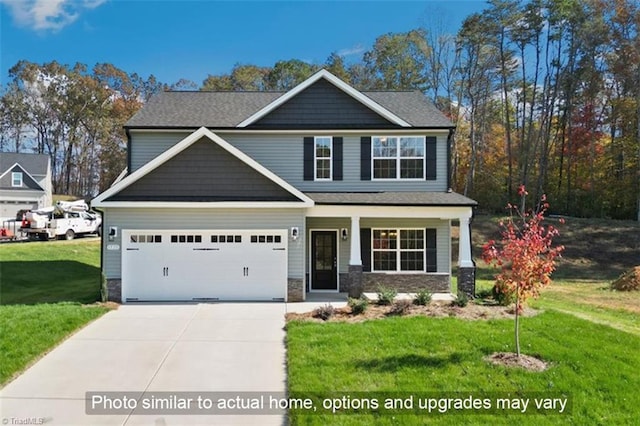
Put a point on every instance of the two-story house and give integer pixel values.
(25, 183)
(270, 195)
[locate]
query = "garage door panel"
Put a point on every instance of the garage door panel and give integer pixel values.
(211, 264)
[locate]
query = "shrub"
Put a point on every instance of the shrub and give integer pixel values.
(358, 306)
(485, 293)
(502, 296)
(422, 298)
(461, 300)
(386, 296)
(324, 312)
(400, 307)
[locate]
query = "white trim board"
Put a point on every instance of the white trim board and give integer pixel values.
(10, 169)
(99, 201)
(363, 99)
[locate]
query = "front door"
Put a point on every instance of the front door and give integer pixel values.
(324, 261)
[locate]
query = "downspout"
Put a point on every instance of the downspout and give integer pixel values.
(103, 279)
(128, 133)
(449, 141)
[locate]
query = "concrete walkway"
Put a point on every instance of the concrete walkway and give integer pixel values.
(221, 347)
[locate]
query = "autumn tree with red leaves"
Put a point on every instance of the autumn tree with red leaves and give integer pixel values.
(525, 255)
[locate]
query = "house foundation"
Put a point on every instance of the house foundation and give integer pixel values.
(467, 281)
(295, 290)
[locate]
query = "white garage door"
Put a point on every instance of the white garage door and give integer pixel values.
(190, 265)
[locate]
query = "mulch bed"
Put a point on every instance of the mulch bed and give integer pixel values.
(472, 311)
(510, 359)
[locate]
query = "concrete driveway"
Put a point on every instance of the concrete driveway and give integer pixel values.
(200, 348)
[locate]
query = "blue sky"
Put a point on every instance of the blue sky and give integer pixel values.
(191, 39)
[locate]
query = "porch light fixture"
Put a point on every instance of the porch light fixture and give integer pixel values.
(344, 233)
(113, 232)
(294, 233)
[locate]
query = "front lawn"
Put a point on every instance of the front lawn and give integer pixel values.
(50, 271)
(28, 331)
(42, 288)
(594, 364)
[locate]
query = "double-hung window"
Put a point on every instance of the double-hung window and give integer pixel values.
(398, 157)
(16, 179)
(398, 250)
(323, 157)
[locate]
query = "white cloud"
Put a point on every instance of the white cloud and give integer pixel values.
(349, 51)
(47, 15)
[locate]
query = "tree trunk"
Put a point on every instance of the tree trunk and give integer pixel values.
(517, 322)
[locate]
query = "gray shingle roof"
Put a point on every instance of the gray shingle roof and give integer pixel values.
(228, 109)
(392, 198)
(35, 164)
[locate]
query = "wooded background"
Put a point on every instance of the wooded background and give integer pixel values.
(544, 93)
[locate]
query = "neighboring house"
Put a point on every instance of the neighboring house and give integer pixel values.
(268, 196)
(25, 183)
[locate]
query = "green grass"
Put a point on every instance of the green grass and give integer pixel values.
(49, 272)
(42, 288)
(28, 331)
(595, 302)
(594, 364)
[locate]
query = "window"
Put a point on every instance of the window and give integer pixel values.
(145, 239)
(16, 178)
(398, 250)
(398, 157)
(323, 156)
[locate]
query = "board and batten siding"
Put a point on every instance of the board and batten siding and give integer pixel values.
(283, 155)
(443, 236)
(202, 219)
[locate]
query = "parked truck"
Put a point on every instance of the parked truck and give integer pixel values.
(64, 220)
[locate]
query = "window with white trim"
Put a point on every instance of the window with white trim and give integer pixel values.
(16, 178)
(398, 157)
(323, 157)
(398, 250)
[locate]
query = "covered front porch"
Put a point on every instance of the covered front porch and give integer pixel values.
(357, 248)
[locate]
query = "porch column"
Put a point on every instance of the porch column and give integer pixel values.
(355, 260)
(464, 246)
(466, 266)
(355, 257)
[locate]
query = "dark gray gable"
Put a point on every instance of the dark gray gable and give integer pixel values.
(27, 181)
(204, 172)
(322, 106)
(35, 164)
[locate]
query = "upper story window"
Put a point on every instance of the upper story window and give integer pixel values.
(323, 157)
(16, 179)
(398, 157)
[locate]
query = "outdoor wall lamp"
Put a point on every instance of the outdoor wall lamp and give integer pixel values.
(294, 233)
(344, 233)
(113, 232)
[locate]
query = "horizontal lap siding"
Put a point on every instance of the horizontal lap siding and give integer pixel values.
(329, 223)
(147, 146)
(442, 226)
(283, 155)
(443, 236)
(203, 219)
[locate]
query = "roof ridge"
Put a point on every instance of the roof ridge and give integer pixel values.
(223, 91)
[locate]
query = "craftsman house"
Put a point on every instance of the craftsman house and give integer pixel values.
(271, 195)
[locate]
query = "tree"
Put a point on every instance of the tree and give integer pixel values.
(400, 60)
(526, 255)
